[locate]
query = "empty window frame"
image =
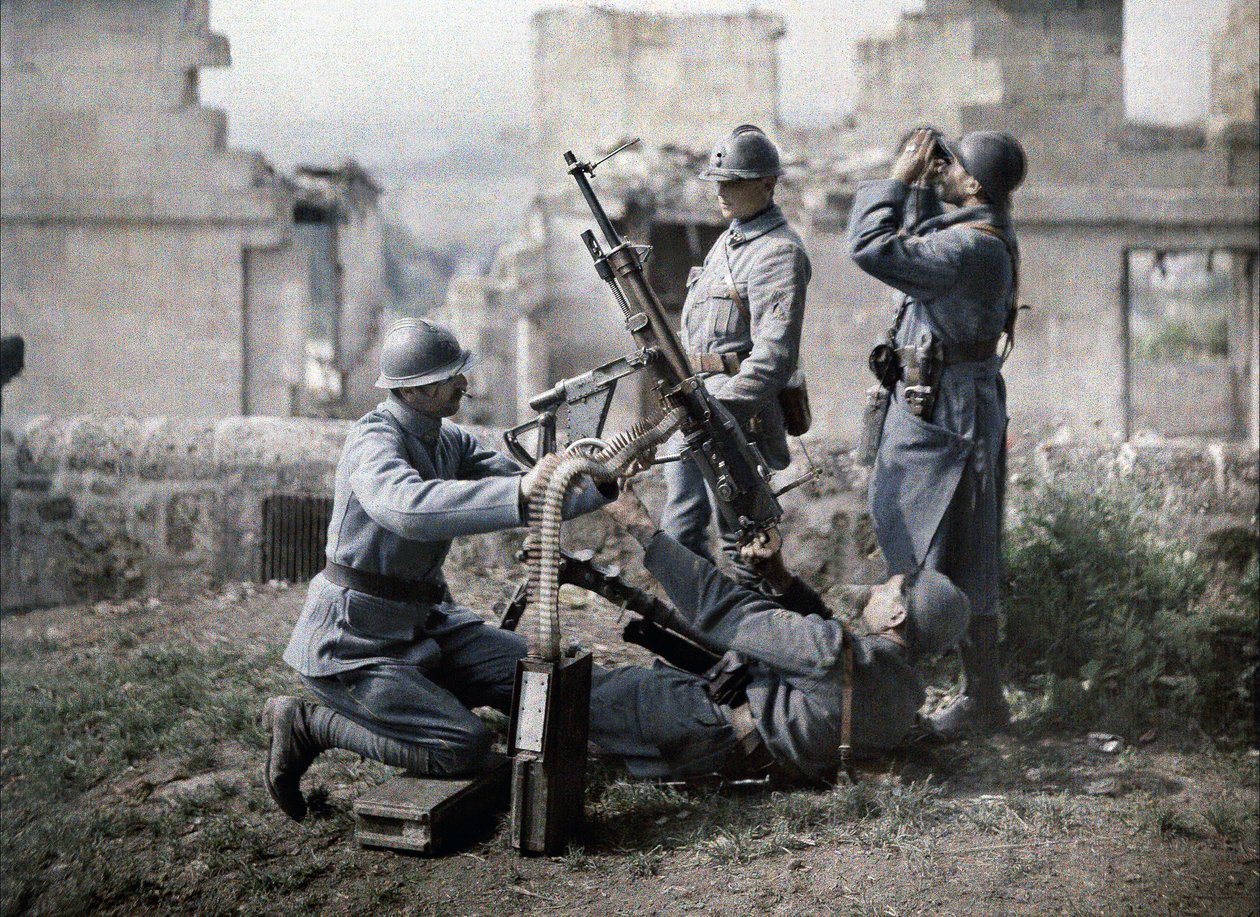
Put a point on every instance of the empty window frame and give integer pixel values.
(1191, 333)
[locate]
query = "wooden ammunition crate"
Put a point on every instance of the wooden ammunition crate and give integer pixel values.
(427, 815)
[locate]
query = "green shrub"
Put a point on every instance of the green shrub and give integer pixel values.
(1108, 619)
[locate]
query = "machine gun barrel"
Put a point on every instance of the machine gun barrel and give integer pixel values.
(579, 171)
(733, 468)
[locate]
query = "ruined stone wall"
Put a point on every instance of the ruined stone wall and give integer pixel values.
(1050, 73)
(1236, 68)
(111, 508)
(123, 216)
(361, 261)
(277, 297)
(602, 76)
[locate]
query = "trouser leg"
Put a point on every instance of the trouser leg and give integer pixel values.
(686, 513)
(299, 731)
(401, 703)
(968, 553)
(660, 721)
(478, 665)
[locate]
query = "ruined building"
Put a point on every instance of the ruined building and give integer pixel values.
(151, 269)
(1139, 243)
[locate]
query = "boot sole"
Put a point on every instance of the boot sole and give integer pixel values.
(267, 720)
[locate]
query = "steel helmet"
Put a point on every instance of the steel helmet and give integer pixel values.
(938, 612)
(994, 159)
(744, 153)
(420, 352)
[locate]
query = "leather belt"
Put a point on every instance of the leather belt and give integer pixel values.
(756, 757)
(973, 352)
(383, 586)
(727, 363)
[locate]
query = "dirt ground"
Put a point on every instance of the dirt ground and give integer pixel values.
(1016, 825)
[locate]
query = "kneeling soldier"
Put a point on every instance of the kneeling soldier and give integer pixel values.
(812, 689)
(395, 663)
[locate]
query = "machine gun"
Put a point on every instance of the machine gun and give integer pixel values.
(732, 467)
(551, 696)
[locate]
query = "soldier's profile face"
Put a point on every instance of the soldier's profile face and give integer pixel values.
(739, 200)
(440, 399)
(953, 182)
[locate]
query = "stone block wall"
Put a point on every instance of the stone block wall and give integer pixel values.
(602, 76)
(120, 507)
(124, 218)
(110, 508)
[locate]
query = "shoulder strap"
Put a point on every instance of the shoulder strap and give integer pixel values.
(846, 710)
(730, 280)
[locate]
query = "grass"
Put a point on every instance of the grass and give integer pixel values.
(97, 740)
(96, 717)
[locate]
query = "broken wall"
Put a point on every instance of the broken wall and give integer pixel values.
(124, 218)
(1097, 189)
(602, 76)
(117, 507)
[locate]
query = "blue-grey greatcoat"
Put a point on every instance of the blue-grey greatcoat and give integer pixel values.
(406, 485)
(938, 487)
(662, 721)
(771, 271)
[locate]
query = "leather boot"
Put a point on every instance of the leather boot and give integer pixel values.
(299, 731)
(981, 707)
(291, 749)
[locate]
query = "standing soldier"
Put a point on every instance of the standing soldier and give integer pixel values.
(395, 664)
(741, 324)
(938, 486)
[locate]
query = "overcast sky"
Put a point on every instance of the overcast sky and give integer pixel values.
(396, 80)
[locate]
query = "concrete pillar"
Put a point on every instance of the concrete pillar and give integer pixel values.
(532, 364)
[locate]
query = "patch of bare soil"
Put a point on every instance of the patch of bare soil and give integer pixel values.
(1012, 826)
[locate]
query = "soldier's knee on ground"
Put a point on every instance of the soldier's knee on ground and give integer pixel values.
(464, 751)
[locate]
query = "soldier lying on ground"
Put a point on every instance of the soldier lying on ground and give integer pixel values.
(787, 721)
(395, 663)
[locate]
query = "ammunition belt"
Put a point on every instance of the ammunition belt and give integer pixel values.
(383, 586)
(973, 352)
(727, 363)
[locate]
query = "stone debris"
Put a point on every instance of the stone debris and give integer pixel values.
(1105, 742)
(1105, 786)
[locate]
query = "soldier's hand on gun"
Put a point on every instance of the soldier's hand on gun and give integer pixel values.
(530, 482)
(764, 554)
(918, 157)
(629, 512)
(641, 463)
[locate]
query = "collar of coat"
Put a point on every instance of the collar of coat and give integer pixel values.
(981, 213)
(742, 231)
(419, 425)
